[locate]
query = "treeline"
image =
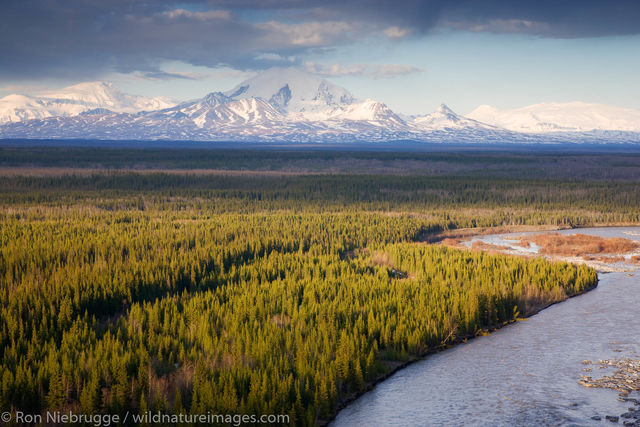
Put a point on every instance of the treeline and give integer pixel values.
(211, 156)
(460, 201)
(604, 164)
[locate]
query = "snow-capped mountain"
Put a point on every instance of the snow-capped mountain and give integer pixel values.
(214, 117)
(220, 117)
(288, 105)
(18, 108)
(74, 100)
(107, 95)
(291, 90)
(444, 118)
(217, 110)
(303, 97)
(561, 117)
(367, 112)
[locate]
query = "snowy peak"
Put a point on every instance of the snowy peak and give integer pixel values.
(373, 112)
(445, 114)
(218, 110)
(483, 109)
(445, 118)
(106, 95)
(213, 99)
(73, 100)
(331, 94)
(291, 90)
(18, 108)
(88, 92)
(446, 111)
(561, 117)
(281, 98)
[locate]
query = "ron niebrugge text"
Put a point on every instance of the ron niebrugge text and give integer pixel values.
(106, 420)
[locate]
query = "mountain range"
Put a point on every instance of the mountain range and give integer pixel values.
(288, 105)
(74, 100)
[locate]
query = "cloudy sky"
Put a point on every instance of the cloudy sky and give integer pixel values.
(411, 54)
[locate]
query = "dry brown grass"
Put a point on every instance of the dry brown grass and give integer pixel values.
(454, 243)
(464, 233)
(579, 244)
(381, 258)
(603, 258)
(488, 247)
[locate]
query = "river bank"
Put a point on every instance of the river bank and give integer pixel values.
(355, 411)
(397, 366)
(440, 237)
(462, 233)
(605, 254)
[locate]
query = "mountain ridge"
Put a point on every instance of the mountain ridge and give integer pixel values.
(289, 105)
(74, 100)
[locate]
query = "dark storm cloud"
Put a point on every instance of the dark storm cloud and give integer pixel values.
(87, 38)
(66, 39)
(551, 18)
(561, 19)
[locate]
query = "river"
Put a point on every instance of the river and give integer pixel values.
(524, 374)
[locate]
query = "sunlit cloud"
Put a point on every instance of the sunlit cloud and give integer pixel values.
(203, 16)
(270, 56)
(369, 70)
(168, 75)
(396, 32)
(308, 34)
(500, 26)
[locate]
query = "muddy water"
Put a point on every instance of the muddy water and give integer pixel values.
(524, 374)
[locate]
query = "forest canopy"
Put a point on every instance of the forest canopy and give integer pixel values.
(257, 293)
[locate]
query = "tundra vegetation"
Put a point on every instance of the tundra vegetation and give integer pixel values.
(256, 293)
